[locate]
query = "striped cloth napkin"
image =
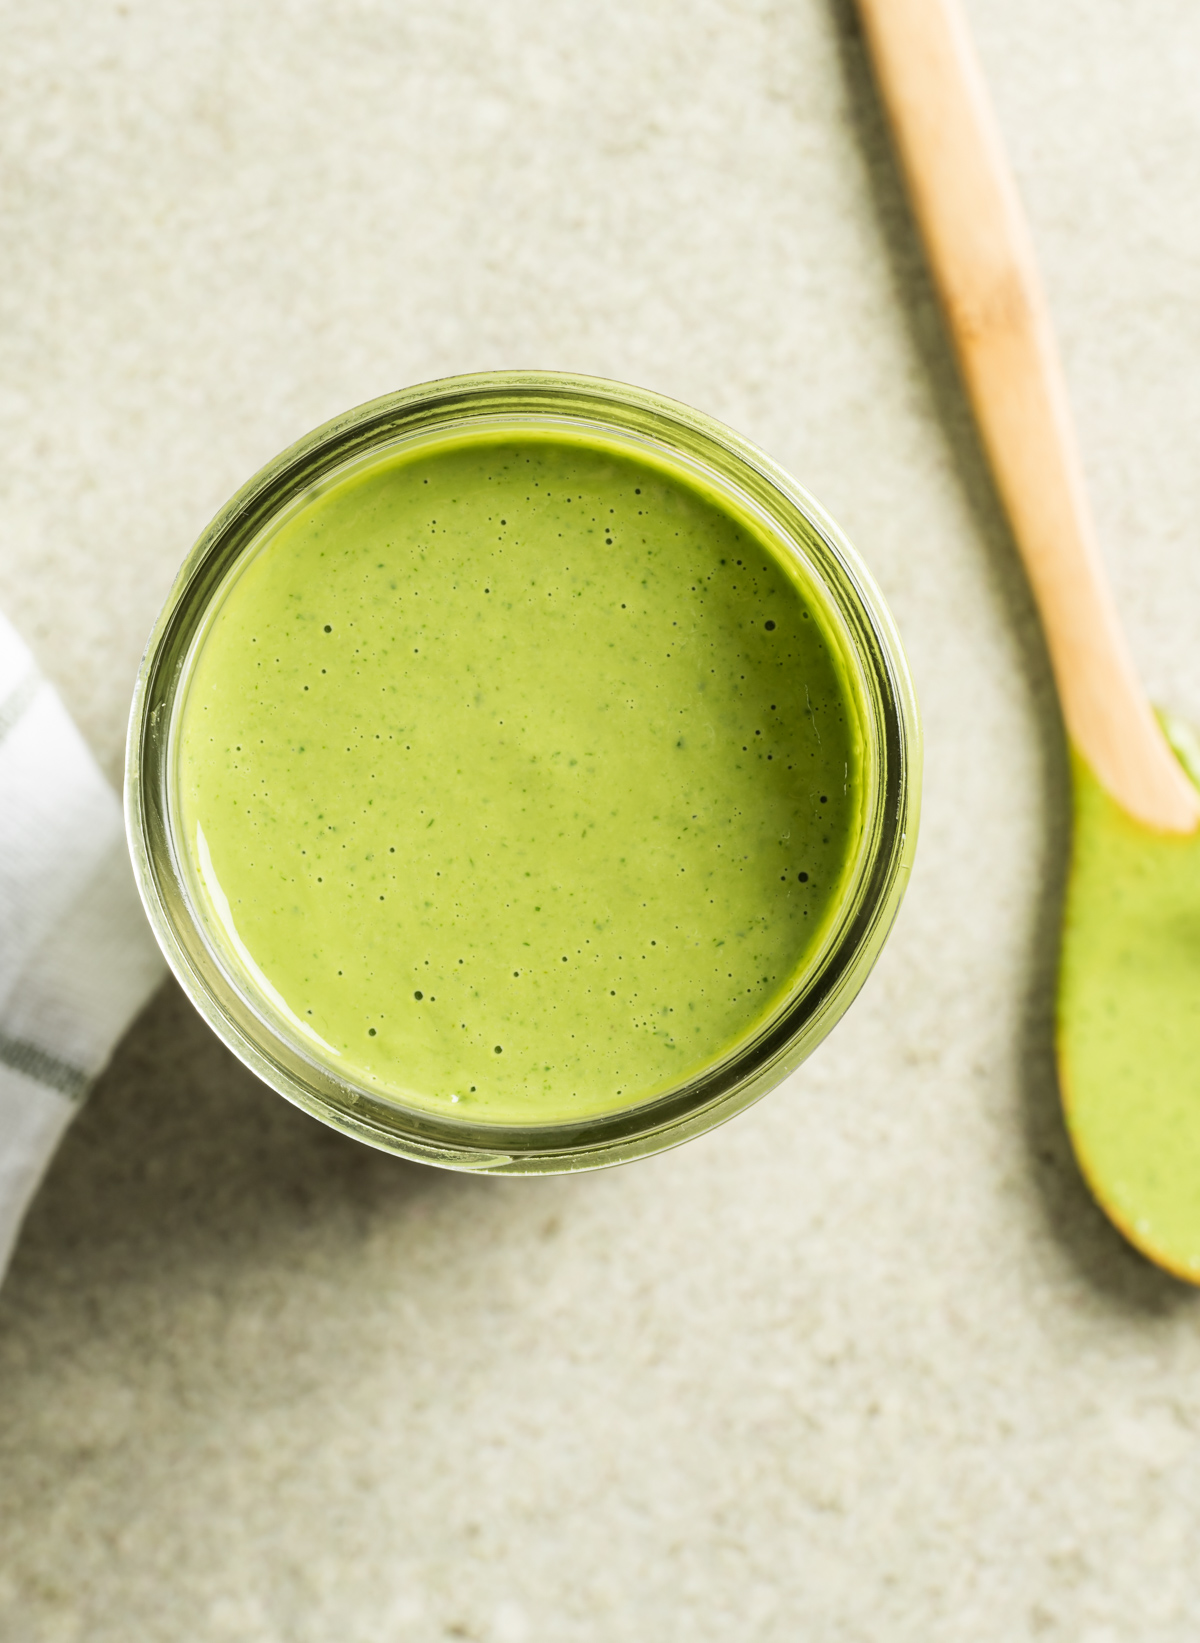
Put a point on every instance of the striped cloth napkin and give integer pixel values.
(77, 960)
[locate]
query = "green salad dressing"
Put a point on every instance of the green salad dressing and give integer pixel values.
(1129, 1018)
(522, 775)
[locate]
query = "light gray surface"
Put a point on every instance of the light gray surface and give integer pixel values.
(865, 1364)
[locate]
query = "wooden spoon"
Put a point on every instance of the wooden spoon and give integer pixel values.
(1134, 1122)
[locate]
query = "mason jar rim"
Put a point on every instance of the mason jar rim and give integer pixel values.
(633, 416)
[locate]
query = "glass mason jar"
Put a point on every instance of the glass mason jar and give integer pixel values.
(853, 613)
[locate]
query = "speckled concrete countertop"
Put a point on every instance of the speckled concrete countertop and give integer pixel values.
(865, 1364)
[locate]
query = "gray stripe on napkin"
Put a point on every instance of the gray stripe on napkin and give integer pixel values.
(42, 1067)
(13, 707)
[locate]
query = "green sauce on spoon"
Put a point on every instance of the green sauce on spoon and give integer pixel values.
(1129, 1017)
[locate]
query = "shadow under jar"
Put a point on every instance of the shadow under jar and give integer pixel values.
(523, 773)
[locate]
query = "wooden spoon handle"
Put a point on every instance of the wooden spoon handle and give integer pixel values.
(981, 254)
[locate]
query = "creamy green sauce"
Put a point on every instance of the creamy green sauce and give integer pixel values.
(522, 776)
(1129, 1021)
